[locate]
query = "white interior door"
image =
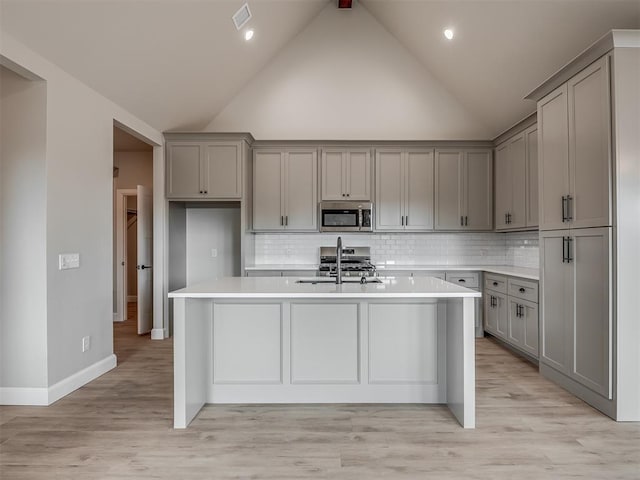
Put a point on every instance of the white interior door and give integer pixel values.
(145, 259)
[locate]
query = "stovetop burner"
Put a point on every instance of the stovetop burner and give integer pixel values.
(356, 261)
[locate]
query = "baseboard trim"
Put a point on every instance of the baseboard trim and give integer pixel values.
(157, 334)
(132, 298)
(47, 396)
(24, 396)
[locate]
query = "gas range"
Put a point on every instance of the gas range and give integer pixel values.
(356, 262)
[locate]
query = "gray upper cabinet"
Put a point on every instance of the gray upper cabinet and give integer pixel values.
(204, 170)
(346, 174)
(404, 189)
(510, 194)
(463, 189)
(285, 190)
(574, 146)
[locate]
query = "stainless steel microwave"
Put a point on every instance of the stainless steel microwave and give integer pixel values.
(346, 216)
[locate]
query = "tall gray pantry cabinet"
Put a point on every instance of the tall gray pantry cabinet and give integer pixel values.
(577, 146)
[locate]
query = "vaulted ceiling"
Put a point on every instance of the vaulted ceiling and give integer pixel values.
(177, 64)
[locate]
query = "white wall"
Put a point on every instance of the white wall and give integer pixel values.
(135, 168)
(212, 228)
(23, 190)
(79, 218)
(345, 77)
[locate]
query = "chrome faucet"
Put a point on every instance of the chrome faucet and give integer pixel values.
(339, 262)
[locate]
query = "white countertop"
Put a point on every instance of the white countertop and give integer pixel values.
(287, 287)
(283, 266)
(522, 272)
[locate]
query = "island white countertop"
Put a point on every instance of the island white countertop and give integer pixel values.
(288, 287)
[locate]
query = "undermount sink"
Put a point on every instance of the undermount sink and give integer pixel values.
(315, 281)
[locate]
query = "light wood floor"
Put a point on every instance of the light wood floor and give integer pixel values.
(120, 426)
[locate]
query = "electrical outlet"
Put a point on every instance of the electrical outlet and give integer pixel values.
(68, 260)
(86, 343)
(214, 252)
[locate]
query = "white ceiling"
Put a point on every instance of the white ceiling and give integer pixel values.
(176, 64)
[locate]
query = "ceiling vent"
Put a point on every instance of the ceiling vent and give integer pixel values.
(344, 3)
(242, 16)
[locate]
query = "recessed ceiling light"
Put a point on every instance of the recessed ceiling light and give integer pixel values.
(448, 33)
(248, 35)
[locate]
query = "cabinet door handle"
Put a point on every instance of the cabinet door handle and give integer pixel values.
(406, 220)
(286, 220)
(569, 242)
(282, 220)
(495, 284)
(564, 208)
(564, 249)
(348, 194)
(522, 290)
(569, 208)
(402, 220)
(466, 221)
(461, 221)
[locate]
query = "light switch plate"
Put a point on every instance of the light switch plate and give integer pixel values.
(68, 260)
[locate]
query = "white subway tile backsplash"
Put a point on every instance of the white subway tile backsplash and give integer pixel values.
(517, 249)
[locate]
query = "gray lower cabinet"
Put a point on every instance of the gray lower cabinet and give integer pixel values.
(511, 311)
(576, 308)
(495, 314)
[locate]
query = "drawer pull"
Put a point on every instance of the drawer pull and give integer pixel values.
(462, 280)
(522, 290)
(495, 284)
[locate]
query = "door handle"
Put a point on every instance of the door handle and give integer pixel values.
(564, 249)
(143, 267)
(569, 242)
(522, 290)
(461, 221)
(495, 284)
(286, 220)
(406, 220)
(466, 221)
(402, 220)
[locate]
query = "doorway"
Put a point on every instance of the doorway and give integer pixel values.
(133, 227)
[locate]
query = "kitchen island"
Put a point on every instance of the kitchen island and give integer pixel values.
(283, 340)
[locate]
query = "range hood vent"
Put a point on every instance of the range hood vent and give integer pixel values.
(242, 16)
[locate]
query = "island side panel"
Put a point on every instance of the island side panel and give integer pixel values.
(191, 342)
(461, 376)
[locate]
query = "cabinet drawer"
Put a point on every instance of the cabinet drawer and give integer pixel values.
(523, 289)
(465, 279)
(497, 283)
